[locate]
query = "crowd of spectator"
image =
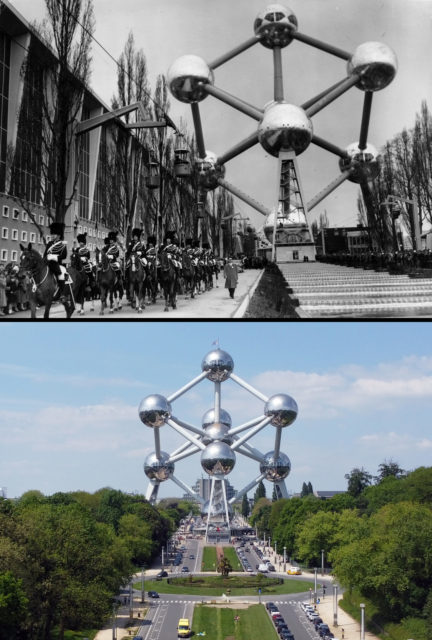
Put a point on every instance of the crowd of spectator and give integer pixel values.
(253, 262)
(407, 258)
(13, 290)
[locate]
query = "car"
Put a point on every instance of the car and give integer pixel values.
(329, 636)
(275, 614)
(287, 635)
(139, 638)
(294, 571)
(191, 557)
(249, 569)
(162, 574)
(270, 604)
(270, 567)
(153, 594)
(282, 627)
(322, 631)
(185, 569)
(272, 607)
(247, 550)
(279, 621)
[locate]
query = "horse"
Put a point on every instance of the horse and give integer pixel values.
(43, 288)
(151, 282)
(188, 275)
(216, 270)
(168, 280)
(208, 271)
(77, 264)
(108, 283)
(136, 276)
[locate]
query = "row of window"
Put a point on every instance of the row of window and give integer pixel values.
(4, 255)
(15, 234)
(24, 215)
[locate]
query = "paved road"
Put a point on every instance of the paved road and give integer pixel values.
(212, 304)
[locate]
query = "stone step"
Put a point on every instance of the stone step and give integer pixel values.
(362, 302)
(364, 291)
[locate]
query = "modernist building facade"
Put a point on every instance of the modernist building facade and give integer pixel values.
(203, 486)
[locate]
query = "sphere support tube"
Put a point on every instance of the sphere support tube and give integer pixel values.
(331, 187)
(282, 488)
(185, 434)
(312, 101)
(188, 490)
(157, 443)
(233, 53)
(248, 387)
(318, 44)
(246, 489)
(198, 129)
(189, 427)
(250, 433)
(278, 76)
(217, 401)
(191, 384)
(243, 196)
(336, 93)
(210, 505)
(234, 102)
(185, 454)
(152, 491)
(180, 449)
(235, 151)
(250, 455)
(277, 442)
(246, 425)
(367, 106)
(226, 507)
(328, 146)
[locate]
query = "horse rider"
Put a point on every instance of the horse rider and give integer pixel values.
(55, 253)
(171, 249)
(84, 253)
(112, 251)
(135, 247)
(197, 252)
(189, 249)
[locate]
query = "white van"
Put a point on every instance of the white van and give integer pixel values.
(262, 568)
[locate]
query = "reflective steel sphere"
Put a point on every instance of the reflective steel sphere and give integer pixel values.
(217, 513)
(209, 171)
(285, 126)
(217, 431)
(275, 470)
(186, 77)
(375, 63)
(218, 364)
(158, 469)
(275, 25)
(366, 164)
(153, 410)
(291, 227)
(218, 458)
(208, 418)
(282, 409)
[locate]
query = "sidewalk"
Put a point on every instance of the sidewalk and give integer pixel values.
(349, 626)
(122, 619)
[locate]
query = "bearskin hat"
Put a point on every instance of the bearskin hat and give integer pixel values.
(112, 236)
(136, 232)
(107, 240)
(205, 245)
(57, 228)
(189, 242)
(196, 244)
(151, 240)
(169, 236)
(82, 237)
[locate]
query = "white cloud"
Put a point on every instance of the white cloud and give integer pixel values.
(425, 444)
(367, 438)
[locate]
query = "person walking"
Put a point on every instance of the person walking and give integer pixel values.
(231, 276)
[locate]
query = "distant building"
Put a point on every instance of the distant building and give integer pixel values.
(322, 495)
(203, 487)
(343, 240)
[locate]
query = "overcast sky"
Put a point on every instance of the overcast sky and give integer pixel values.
(69, 397)
(167, 29)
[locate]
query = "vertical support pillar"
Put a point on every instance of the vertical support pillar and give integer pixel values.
(157, 443)
(210, 505)
(217, 401)
(362, 632)
(315, 592)
(278, 78)
(284, 559)
(226, 507)
(323, 241)
(322, 562)
(335, 605)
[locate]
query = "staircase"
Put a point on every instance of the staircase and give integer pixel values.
(327, 290)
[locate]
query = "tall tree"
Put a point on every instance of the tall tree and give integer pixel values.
(358, 480)
(310, 488)
(304, 490)
(274, 494)
(13, 605)
(260, 492)
(245, 508)
(388, 468)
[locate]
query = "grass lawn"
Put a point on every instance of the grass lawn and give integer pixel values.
(218, 623)
(230, 553)
(209, 586)
(76, 635)
(209, 559)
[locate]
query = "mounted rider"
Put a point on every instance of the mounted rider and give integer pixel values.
(196, 252)
(189, 249)
(171, 249)
(55, 253)
(112, 251)
(84, 253)
(135, 247)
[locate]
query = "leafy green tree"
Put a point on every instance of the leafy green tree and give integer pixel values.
(245, 508)
(294, 513)
(274, 494)
(137, 536)
(224, 567)
(315, 533)
(427, 614)
(418, 485)
(260, 492)
(310, 488)
(389, 468)
(30, 497)
(111, 507)
(304, 491)
(13, 605)
(358, 480)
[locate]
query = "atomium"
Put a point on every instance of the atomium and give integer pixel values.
(154, 410)
(187, 76)
(208, 418)
(209, 171)
(285, 126)
(217, 431)
(218, 364)
(158, 469)
(282, 409)
(274, 26)
(364, 164)
(375, 63)
(275, 471)
(217, 512)
(218, 459)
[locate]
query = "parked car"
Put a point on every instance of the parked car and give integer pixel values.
(153, 594)
(329, 636)
(282, 627)
(323, 631)
(287, 636)
(280, 621)
(275, 614)
(162, 574)
(185, 569)
(191, 557)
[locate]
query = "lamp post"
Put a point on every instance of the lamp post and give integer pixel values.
(362, 631)
(315, 592)
(114, 634)
(284, 559)
(130, 602)
(142, 583)
(322, 562)
(275, 551)
(335, 604)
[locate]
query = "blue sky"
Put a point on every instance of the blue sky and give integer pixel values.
(69, 396)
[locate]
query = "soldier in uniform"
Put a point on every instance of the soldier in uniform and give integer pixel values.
(196, 251)
(55, 253)
(136, 246)
(189, 249)
(171, 248)
(151, 248)
(84, 254)
(113, 252)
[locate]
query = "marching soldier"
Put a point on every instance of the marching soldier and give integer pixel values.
(136, 246)
(55, 253)
(84, 254)
(113, 252)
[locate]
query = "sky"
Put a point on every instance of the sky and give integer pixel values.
(167, 29)
(69, 397)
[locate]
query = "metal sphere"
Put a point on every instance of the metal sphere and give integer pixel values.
(282, 409)
(375, 63)
(217, 431)
(154, 410)
(158, 469)
(366, 164)
(217, 512)
(275, 470)
(186, 78)
(274, 26)
(291, 227)
(208, 418)
(209, 171)
(285, 126)
(218, 459)
(218, 365)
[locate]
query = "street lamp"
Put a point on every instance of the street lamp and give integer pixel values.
(142, 583)
(335, 604)
(114, 634)
(315, 593)
(284, 559)
(322, 562)
(362, 632)
(130, 602)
